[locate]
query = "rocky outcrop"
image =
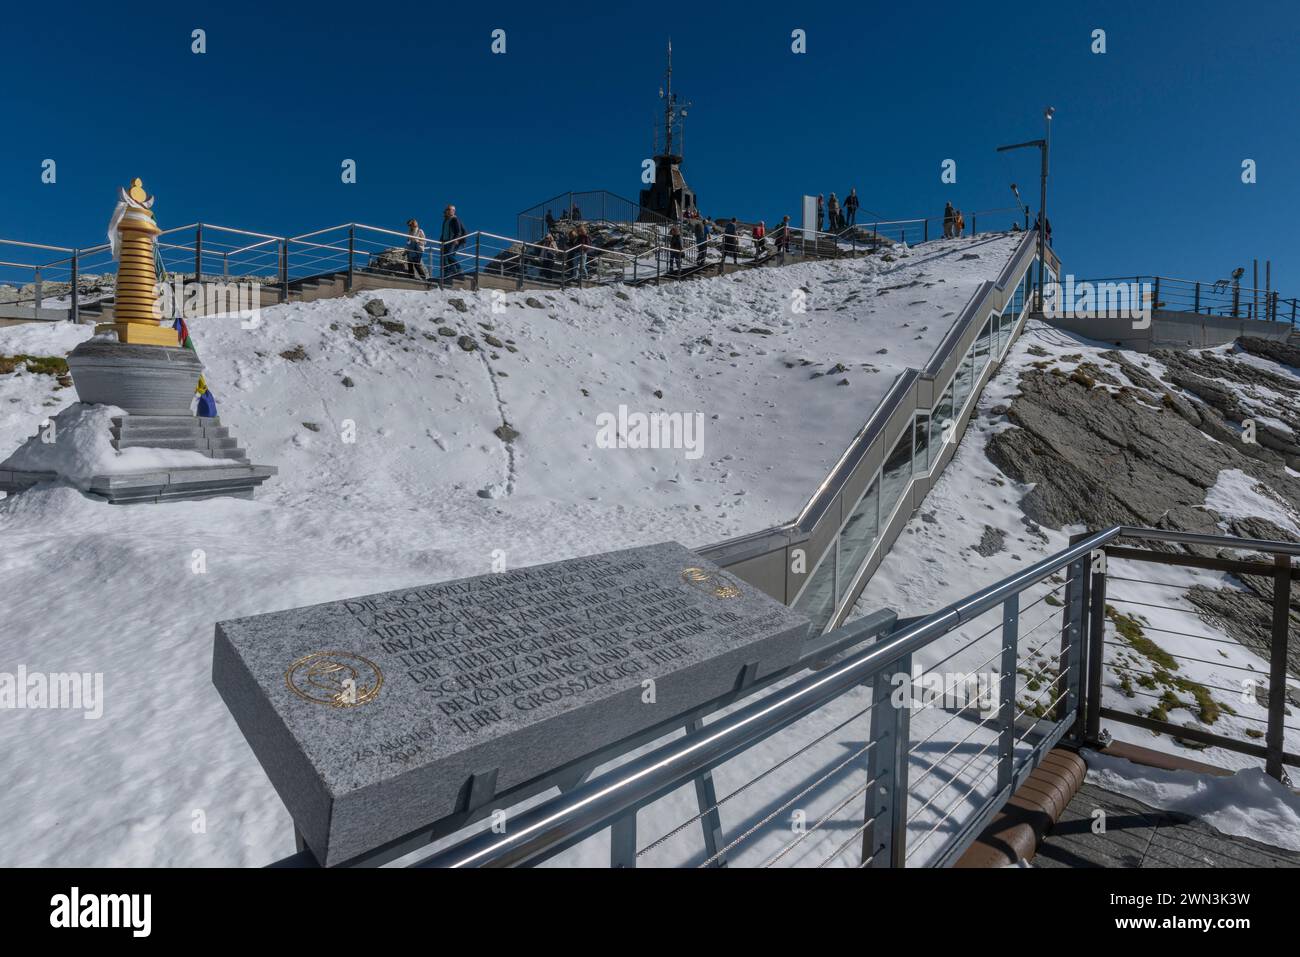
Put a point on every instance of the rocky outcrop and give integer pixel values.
(1148, 454)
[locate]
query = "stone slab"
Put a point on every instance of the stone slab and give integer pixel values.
(503, 677)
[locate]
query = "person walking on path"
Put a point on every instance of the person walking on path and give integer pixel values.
(415, 249)
(675, 244)
(851, 205)
(949, 217)
(583, 242)
(730, 245)
(452, 237)
(783, 238)
(821, 212)
(760, 239)
(833, 212)
(701, 237)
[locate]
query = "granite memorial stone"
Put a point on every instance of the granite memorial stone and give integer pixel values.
(372, 716)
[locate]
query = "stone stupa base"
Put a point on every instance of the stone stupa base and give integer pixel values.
(230, 473)
(154, 386)
(141, 379)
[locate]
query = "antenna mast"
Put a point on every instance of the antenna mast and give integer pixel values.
(670, 102)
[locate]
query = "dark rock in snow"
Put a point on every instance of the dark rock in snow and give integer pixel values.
(990, 542)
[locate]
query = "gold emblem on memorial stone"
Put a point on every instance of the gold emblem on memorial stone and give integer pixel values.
(339, 679)
(709, 583)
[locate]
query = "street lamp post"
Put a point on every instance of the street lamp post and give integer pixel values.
(1043, 146)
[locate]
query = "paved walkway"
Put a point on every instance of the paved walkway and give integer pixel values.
(1139, 836)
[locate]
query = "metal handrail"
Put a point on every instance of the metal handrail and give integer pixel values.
(594, 805)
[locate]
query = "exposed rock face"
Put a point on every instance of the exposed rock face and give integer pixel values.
(1148, 455)
(1107, 458)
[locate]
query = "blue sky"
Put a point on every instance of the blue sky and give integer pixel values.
(1148, 139)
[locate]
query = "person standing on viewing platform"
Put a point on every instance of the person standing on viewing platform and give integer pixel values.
(583, 241)
(452, 237)
(701, 237)
(415, 249)
(833, 214)
(949, 217)
(783, 238)
(675, 244)
(821, 212)
(549, 251)
(851, 205)
(760, 239)
(1038, 224)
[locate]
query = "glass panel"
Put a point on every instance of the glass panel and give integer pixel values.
(982, 345)
(965, 373)
(818, 599)
(896, 474)
(943, 413)
(859, 534)
(921, 449)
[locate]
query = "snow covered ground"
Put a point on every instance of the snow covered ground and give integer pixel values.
(1247, 804)
(391, 475)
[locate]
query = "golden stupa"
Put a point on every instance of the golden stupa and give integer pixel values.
(135, 302)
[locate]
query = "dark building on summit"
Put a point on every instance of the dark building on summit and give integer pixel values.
(668, 195)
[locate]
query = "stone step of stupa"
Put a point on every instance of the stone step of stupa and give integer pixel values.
(141, 434)
(180, 432)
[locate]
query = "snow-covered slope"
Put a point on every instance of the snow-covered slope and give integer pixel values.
(392, 474)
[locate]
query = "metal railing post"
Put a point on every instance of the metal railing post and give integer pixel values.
(198, 253)
(1274, 738)
(972, 226)
(1196, 307)
(477, 260)
(1007, 691)
(706, 797)
(38, 294)
(622, 840)
(884, 841)
(925, 232)
(352, 245)
(284, 270)
(1096, 650)
(1155, 296)
(74, 311)
(225, 266)
(1069, 661)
